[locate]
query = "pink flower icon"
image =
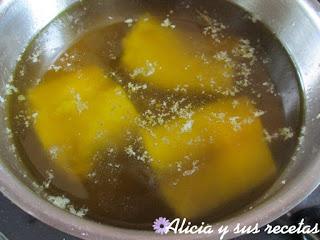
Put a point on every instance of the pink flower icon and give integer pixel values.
(161, 225)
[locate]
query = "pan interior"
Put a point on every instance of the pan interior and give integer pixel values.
(99, 29)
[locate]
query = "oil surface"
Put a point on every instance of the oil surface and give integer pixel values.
(121, 188)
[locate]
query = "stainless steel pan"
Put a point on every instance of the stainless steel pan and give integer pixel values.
(295, 22)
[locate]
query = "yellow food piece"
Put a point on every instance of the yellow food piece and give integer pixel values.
(162, 57)
(79, 113)
(221, 155)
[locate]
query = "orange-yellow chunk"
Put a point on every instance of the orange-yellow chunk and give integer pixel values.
(79, 113)
(162, 57)
(211, 159)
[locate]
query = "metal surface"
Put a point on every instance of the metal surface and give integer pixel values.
(30, 228)
(295, 22)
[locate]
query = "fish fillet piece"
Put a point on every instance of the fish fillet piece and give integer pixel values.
(162, 57)
(211, 159)
(78, 114)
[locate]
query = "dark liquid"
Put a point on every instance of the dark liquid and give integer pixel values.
(120, 191)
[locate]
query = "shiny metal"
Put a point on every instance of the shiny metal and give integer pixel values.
(295, 22)
(3, 237)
